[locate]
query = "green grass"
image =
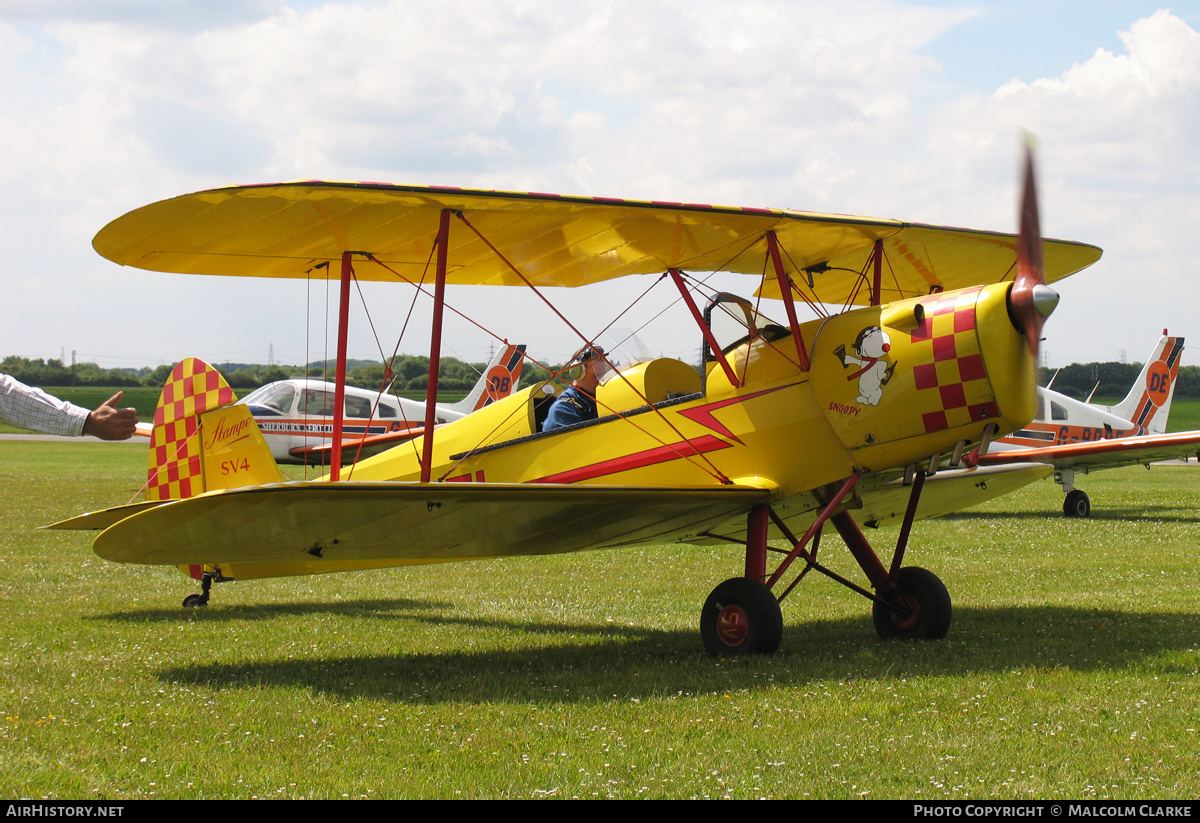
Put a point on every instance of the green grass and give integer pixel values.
(1070, 670)
(1185, 415)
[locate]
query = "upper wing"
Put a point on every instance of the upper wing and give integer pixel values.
(1122, 451)
(354, 522)
(285, 229)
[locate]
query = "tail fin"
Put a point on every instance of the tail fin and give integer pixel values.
(201, 441)
(1149, 401)
(497, 382)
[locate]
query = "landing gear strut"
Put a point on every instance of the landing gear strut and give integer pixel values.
(742, 615)
(1076, 503)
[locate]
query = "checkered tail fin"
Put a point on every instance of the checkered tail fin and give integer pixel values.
(202, 441)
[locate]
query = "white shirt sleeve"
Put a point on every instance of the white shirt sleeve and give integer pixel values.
(32, 408)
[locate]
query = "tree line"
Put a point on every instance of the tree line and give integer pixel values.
(1113, 380)
(410, 373)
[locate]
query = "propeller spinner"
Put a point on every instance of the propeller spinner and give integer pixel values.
(1031, 300)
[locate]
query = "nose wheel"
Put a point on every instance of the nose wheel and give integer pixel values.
(1077, 504)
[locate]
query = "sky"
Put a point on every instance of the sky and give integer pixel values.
(899, 110)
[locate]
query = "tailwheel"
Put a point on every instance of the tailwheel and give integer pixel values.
(1077, 504)
(193, 601)
(928, 604)
(741, 616)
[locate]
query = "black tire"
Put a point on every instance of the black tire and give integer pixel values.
(193, 601)
(741, 616)
(929, 604)
(1077, 504)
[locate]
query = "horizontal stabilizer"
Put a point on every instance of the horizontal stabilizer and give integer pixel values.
(104, 518)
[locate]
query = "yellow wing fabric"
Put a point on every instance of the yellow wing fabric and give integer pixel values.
(918, 259)
(947, 492)
(284, 229)
(354, 522)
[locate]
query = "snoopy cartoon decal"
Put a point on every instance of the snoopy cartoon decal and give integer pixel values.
(873, 372)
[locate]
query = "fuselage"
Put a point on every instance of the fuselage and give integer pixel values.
(888, 386)
(1061, 419)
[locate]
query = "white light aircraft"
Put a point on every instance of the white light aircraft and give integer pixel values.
(296, 415)
(1077, 437)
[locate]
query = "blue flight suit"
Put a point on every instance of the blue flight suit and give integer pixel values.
(572, 406)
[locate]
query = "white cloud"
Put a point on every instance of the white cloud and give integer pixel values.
(816, 105)
(1120, 164)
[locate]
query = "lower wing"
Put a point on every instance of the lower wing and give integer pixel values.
(948, 491)
(382, 524)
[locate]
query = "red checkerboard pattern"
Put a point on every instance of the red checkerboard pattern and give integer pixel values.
(193, 388)
(951, 379)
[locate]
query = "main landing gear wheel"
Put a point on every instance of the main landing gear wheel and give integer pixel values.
(1077, 504)
(195, 600)
(741, 616)
(928, 603)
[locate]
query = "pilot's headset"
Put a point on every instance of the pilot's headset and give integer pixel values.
(589, 353)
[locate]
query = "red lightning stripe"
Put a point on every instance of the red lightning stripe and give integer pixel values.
(650, 457)
(704, 414)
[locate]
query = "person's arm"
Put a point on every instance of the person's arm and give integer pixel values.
(32, 408)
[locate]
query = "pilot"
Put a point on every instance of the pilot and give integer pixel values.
(577, 402)
(32, 408)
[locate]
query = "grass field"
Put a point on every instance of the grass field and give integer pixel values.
(1070, 670)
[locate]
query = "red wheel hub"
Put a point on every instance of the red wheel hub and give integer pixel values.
(733, 625)
(910, 620)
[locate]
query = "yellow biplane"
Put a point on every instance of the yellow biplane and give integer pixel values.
(785, 428)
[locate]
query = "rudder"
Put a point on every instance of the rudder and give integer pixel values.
(1149, 400)
(200, 442)
(498, 381)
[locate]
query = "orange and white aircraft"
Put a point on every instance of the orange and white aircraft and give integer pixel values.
(296, 415)
(783, 430)
(1077, 437)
